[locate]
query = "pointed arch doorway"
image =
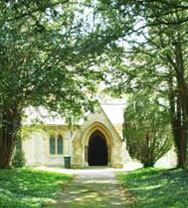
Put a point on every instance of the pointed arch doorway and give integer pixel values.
(97, 149)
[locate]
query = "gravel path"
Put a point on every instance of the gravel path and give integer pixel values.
(92, 188)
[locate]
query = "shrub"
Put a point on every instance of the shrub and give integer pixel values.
(18, 159)
(146, 130)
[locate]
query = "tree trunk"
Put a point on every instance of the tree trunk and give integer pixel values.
(180, 138)
(181, 143)
(178, 124)
(181, 81)
(149, 165)
(182, 107)
(10, 126)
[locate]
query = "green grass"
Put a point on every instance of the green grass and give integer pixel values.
(26, 188)
(156, 188)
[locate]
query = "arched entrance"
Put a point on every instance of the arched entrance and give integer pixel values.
(97, 149)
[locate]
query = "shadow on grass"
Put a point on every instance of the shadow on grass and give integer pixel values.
(91, 193)
(157, 188)
(23, 188)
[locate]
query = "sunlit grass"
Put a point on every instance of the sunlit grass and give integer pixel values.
(156, 188)
(25, 188)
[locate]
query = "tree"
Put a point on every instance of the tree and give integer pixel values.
(146, 129)
(156, 52)
(47, 58)
(50, 49)
(169, 43)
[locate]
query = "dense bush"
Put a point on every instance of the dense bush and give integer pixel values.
(18, 159)
(146, 130)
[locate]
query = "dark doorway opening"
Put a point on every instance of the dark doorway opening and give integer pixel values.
(97, 150)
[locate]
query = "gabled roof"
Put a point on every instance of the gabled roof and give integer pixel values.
(41, 115)
(113, 110)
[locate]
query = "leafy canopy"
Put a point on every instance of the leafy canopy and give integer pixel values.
(146, 130)
(49, 56)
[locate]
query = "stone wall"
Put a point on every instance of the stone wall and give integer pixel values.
(36, 146)
(100, 122)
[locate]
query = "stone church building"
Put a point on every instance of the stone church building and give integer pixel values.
(96, 141)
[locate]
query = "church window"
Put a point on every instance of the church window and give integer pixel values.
(59, 145)
(56, 145)
(52, 145)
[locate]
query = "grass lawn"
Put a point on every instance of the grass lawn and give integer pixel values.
(156, 188)
(23, 188)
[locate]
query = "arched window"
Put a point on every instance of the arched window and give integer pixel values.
(52, 145)
(59, 145)
(56, 145)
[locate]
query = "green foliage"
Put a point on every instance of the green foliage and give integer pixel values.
(18, 160)
(51, 54)
(156, 188)
(155, 60)
(43, 58)
(146, 130)
(26, 188)
(49, 57)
